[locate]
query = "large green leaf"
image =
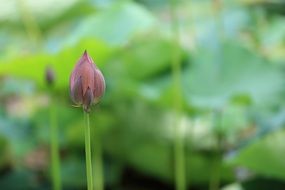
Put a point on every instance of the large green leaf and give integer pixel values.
(33, 66)
(148, 58)
(38, 9)
(143, 138)
(217, 76)
(264, 156)
(115, 25)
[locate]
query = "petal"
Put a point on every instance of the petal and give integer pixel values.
(85, 58)
(88, 99)
(99, 85)
(87, 72)
(71, 80)
(86, 69)
(76, 92)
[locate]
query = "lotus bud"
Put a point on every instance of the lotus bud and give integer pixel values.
(49, 76)
(87, 84)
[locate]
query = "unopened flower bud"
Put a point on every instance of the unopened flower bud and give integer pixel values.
(49, 76)
(87, 84)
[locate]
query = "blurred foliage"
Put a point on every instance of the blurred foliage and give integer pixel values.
(232, 80)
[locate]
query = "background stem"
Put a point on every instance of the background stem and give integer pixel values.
(180, 177)
(216, 170)
(30, 23)
(179, 157)
(218, 154)
(55, 161)
(88, 152)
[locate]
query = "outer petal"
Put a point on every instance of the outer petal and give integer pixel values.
(99, 85)
(88, 99)
(86, 69)
(87, 73)
(76, 92)
(86, 57)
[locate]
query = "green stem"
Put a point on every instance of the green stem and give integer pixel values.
(98, 162)
(180, 177)
(55, 161)
(179, 157)
(215, 176)
(217, 161)
(88, 152)
(30, 23)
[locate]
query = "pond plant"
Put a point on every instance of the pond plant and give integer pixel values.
(87, 86)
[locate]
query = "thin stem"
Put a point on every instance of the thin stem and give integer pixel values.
(98, 162)
(55, 161)
(180, 177)
(30, 23)
(179, 157)
(88, 152)
(216, 170)
(217, 161)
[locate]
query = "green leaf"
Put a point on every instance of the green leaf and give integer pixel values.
(115, 25)
(264, 156)
(20, 179)
(145, 141)
(148, 58)
(219, 75)
(39, 9)
(33, 66)
(73, 172)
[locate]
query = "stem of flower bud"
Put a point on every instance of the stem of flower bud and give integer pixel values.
(88, 152)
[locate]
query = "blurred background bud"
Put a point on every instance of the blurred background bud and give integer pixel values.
(49, 75)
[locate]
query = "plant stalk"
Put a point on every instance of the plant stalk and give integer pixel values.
(216, 172)
(179, 152)
(88, 152)
(29, 22)
(55, 160)
(217, 161)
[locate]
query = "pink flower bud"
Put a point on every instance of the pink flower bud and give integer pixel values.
(87, 84)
